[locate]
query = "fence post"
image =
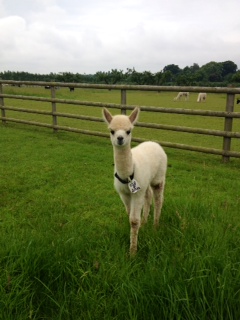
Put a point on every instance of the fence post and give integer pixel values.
(3, 113)
(123, 99)
(228, 126)
(54, 109)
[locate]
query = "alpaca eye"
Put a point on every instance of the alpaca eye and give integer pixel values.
(128, 132)
(112, 132)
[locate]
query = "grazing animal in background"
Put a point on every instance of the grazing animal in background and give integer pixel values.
(49, 87)
(202, 97)
(182, 95)
(238, 101)
(71, 89)
(139, 173)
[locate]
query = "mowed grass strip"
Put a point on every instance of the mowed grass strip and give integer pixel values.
(64, 234)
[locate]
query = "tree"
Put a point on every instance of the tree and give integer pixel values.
(213, 71)
(200, 76)
(158, 78)
(222, 73)
(116, 76)
(173, 68)
(194, 68)
(166, 77)
(236, 77)
(110, 77)
(148, 78)
(228, 67)
(184, 80)
(134, 76)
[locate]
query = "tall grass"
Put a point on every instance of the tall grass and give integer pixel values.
(64, 235)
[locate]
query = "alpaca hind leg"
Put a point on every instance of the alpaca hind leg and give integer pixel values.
(158, 192)
(147, 204)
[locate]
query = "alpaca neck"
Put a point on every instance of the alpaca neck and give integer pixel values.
(123, 161)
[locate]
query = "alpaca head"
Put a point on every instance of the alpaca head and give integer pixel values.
(120, 126)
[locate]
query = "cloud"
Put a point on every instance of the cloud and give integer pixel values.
(11, 28)
(45, 36)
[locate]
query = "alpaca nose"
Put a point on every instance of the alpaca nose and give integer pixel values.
(120, 139)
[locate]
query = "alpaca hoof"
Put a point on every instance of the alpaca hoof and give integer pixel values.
(156, 226)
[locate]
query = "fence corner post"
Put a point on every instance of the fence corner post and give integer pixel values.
(228, 126)
(3, 112)
(54, 108)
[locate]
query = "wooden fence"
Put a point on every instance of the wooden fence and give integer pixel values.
(229, 115)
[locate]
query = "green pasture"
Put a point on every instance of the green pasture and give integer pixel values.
(215, 102)
(64, 233)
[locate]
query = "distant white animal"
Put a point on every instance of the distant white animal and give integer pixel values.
(139, 174)
(202, 97)
(182, 95)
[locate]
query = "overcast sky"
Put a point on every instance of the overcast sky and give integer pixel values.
(86, 36)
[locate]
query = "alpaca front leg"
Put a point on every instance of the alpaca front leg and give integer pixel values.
(135, 223)
(126, 199)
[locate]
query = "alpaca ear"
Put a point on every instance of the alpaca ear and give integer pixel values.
(134, 115)
(107, 117)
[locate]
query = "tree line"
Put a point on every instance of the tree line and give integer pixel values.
(211, 74)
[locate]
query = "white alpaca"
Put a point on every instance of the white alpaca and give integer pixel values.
(139, 172)
(202, 97)
(182, 95)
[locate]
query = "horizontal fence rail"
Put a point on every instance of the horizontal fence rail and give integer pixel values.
(227, 134)
(232, 90)
(128, 107)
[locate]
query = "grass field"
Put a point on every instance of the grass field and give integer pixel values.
(65, 236)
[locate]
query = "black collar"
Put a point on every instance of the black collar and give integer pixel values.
(124, 181)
